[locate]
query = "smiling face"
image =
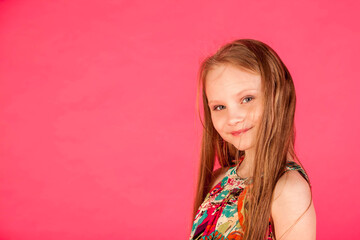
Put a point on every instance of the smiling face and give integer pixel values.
(235, 102)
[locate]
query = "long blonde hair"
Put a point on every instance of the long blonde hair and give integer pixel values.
(274, 141)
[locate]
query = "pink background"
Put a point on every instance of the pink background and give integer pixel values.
(99, 134)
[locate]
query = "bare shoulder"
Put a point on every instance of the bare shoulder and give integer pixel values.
(292, 209)
(218, 175)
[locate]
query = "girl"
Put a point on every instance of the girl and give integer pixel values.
(261, 191)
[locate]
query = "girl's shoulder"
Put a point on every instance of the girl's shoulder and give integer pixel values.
(292, 197)
(292, 185)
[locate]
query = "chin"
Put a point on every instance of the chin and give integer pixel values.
(243, 147)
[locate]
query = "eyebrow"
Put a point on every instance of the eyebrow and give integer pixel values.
(237, 94)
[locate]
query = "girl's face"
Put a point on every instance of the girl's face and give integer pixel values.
(235, 103)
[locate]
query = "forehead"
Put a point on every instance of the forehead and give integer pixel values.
(230, 79)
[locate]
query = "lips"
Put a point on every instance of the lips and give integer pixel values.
(235, 133)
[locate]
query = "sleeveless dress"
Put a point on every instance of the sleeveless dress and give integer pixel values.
(221, 215)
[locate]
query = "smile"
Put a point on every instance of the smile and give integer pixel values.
(236, 133)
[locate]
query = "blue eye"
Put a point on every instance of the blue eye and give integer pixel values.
(250, 97)
(244, 100)
(216, 107)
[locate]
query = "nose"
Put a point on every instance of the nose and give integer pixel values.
(236, 115)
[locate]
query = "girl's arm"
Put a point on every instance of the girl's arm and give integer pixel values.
(291, 199)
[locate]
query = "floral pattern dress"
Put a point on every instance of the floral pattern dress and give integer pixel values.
(221, 215)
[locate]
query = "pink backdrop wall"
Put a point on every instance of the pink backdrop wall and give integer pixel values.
(99, 134)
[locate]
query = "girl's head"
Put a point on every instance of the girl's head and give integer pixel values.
(246, 86)
(234, 98)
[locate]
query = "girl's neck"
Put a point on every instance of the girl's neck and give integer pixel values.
(246, 166)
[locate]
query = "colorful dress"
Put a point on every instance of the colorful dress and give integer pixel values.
(221, 215)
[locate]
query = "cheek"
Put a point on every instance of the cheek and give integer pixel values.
(257, 114)
(257, 119)
(218, 123)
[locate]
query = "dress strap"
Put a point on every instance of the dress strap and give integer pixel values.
(291, 165)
